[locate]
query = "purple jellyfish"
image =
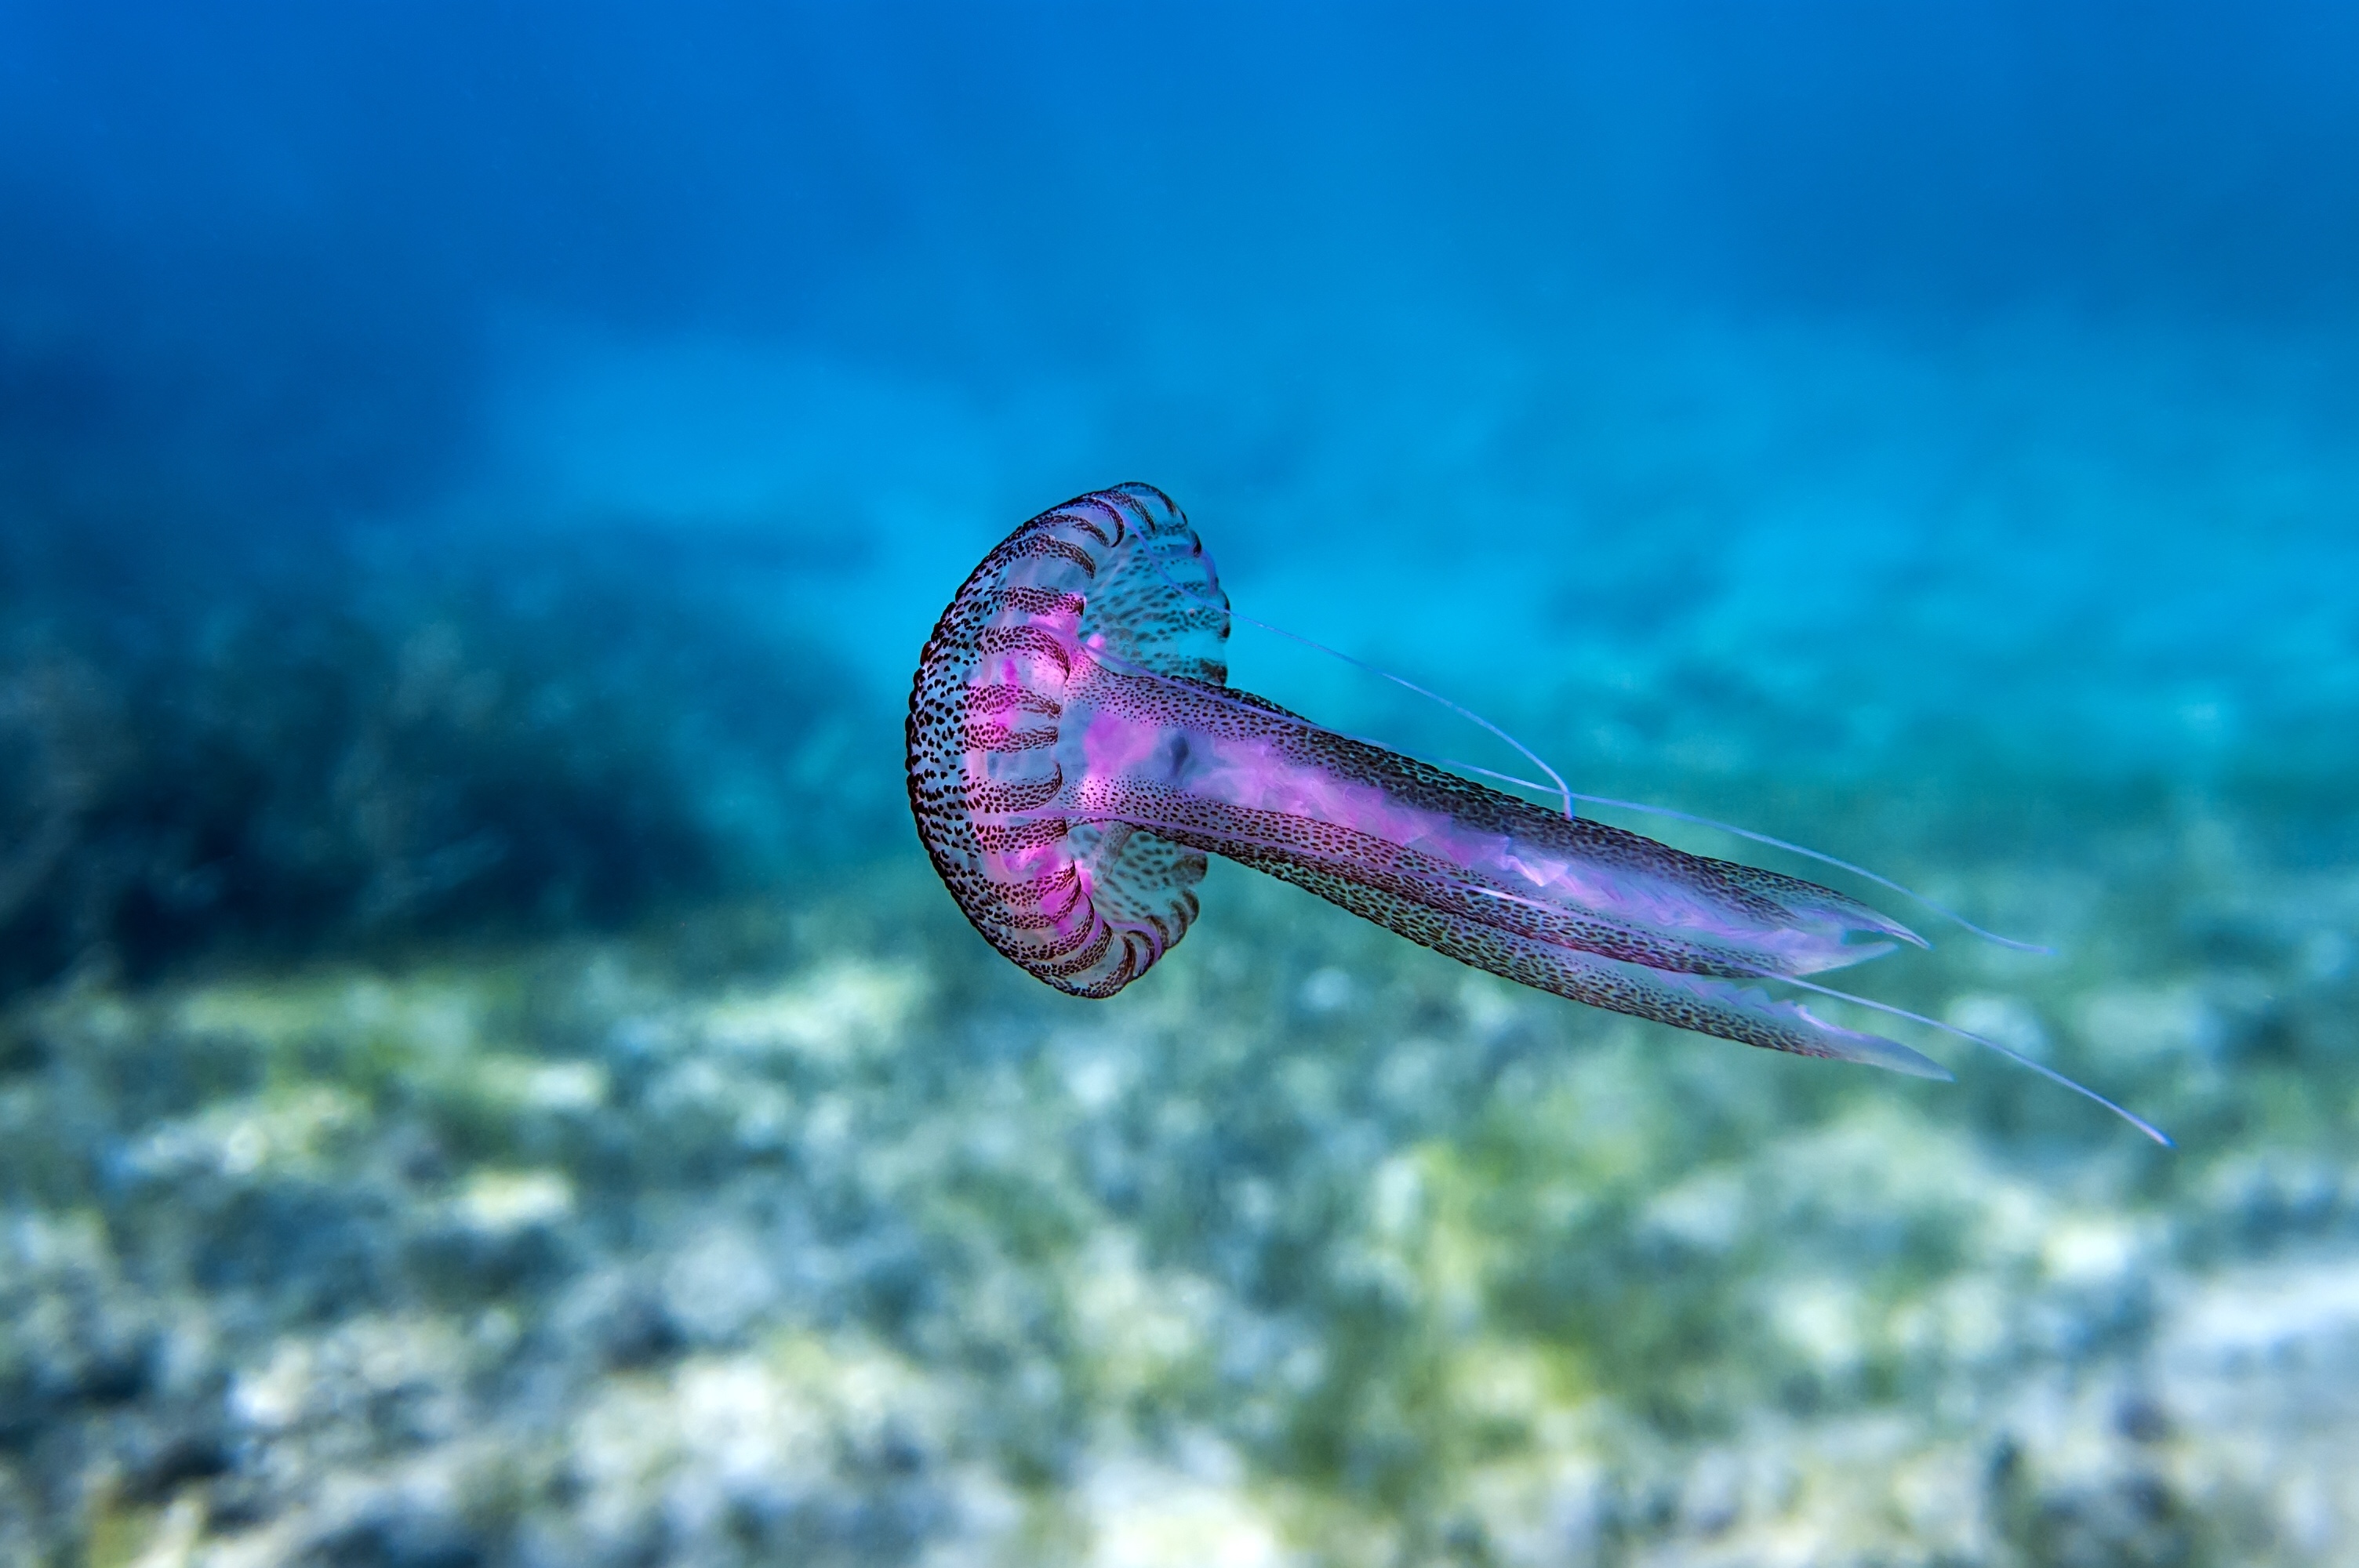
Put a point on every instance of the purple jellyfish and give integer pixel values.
(1075, 752)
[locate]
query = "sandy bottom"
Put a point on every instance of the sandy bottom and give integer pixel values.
(808, 1231)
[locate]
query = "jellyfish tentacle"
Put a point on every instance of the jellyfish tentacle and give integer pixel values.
(1987, 1044)
(1705, 1004)
(1984, 1040)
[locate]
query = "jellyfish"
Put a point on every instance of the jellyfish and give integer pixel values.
(1076, 753)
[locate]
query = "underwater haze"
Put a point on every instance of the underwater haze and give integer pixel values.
(489, 1075)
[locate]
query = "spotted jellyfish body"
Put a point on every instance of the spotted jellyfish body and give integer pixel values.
(1075, 753)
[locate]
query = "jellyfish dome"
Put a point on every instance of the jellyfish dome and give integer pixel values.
(1113, 578)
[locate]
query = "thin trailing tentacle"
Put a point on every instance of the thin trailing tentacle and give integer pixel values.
(1563, 790)
(1884, 1007)
(2018, 1057)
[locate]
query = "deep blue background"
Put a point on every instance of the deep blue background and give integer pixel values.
(1907, 362)
(255, 252)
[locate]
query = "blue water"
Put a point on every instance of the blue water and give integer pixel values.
(474, 480)
(1988, 364)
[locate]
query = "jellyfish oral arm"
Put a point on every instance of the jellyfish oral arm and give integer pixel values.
(1249, 781)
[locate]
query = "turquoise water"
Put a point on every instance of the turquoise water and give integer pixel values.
(488, 1076)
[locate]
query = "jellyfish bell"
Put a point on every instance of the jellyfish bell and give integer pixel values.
(1075, 755)
(1084, 902)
